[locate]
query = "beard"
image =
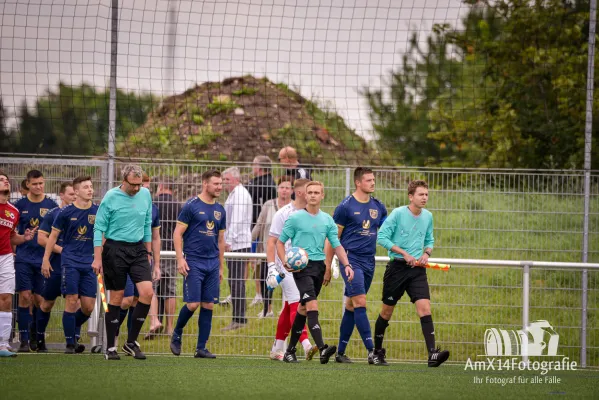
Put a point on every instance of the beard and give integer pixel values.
(5, 192)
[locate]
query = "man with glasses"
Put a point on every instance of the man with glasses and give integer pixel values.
(122, 247)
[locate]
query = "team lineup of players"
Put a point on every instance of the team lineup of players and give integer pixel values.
(55, 253)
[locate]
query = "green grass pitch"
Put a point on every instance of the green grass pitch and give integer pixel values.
(87, 377)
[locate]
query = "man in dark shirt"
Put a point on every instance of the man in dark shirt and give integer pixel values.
(262, 188)
(288, 159)
(164, 302)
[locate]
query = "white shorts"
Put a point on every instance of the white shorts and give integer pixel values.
(7, 274)
(290, 293)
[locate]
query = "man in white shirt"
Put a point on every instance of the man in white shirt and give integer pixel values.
(239, 239)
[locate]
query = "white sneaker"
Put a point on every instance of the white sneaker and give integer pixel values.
(257, 301)
(268, 314)
(226, 301)
(277, 355)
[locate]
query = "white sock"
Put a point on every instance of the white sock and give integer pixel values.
(5, 327)
(279, 345)
(306, 344)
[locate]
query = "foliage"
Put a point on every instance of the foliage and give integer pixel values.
(508, 89)
(221, 104)
(245, 91)
(74, 120)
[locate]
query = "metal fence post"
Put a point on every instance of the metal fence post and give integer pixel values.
(347, 193)
(525, 303)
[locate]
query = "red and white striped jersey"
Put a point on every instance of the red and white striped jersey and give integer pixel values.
(9, 218)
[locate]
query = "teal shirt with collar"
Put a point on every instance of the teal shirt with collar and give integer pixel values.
(412, 233)
(124, 218)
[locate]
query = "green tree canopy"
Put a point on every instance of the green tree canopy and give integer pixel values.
(506, 89)
(74, 120)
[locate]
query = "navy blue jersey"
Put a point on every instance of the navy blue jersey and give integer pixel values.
(46, 226)
(204, 222)
(155, 217)
(360, 222)
(77, 227)
(32, 216)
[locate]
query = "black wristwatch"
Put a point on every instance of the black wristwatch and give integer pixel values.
(429, 254)
(151, 253)
(349, 265)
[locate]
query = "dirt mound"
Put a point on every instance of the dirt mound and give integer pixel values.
(239, 118)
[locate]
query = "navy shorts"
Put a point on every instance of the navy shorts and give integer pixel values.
(130, 288)
(29, 277)
(363, 275)
(53, 286)
(202, 283)
(80, 281)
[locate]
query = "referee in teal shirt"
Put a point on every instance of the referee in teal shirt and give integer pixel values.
(122, 246)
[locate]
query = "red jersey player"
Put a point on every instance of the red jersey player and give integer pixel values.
(9, 218)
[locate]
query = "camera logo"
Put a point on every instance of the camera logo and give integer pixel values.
(539, 339)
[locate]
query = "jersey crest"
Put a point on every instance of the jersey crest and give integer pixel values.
(91, 219)
(43, 212)
(373, 213)
(217, 215)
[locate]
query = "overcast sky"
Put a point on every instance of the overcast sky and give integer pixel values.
(329, 49)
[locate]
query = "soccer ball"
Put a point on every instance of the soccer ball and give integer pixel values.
(297, 258)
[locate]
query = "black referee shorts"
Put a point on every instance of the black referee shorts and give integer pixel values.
(120, 259)
(309, 281)
(400, 278)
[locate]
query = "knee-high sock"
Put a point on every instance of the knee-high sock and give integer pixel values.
(184, 315)
(204, 327)
(345, 330)
(33, 323)
(139, 317)
(428, 330)
(130, 317)
(122, 315)
(24, 321)
(296, 330)
(379, 332)
(315, 329)
(80, 319)
(363, 326)
(284, 323)
(111, 320)
(43, 318)
(5, 327)
(68, 325)
(293, 312)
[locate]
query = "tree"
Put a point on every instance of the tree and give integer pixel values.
(516, 92)
(74, 120)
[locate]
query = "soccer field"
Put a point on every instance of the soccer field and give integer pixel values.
(86, 377)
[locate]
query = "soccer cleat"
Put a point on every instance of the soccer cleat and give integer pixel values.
(268, 314)
(289, 356)
(342, 358)
(326, 353)
(111, 354)
(70, 349)
(176, 345)
(277, 355)
(24, 348)
(311, 353)
(33, 345)
(378, 358)
(41, 346)
(4, 352)
(203, 354)
(79, 348)
(437, 357)
(133, 350)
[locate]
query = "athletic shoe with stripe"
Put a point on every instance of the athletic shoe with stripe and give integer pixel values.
(290, 357)
(326, 353)
(111, 354)
(277, 355)
(437, 357)
(377, 357)
(133, 350)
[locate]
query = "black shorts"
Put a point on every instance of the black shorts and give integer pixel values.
(400, 278)
(309, 281)
(120, 259)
